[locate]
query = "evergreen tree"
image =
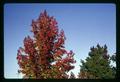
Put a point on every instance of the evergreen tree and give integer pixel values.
(44, 56)
(113, 59)
(97, 64)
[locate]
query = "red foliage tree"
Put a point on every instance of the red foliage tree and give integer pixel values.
(44, 56)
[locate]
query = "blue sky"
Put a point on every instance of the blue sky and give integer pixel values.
(84, 25)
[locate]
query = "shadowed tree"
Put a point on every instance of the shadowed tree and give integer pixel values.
(44, 55)
(97, 65)
(72, 76)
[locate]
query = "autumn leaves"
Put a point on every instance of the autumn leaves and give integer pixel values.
(44, 54)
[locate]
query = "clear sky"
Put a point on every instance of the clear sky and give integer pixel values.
(84, 25)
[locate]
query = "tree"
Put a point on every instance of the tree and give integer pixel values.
(113, 59)
(44, 56)
(97, 64)
(72, 76)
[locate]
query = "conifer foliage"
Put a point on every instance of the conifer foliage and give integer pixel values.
(44, 56)
(97, 64)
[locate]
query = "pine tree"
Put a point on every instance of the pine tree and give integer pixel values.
(44, 56)
(113, 59)
(97, 64)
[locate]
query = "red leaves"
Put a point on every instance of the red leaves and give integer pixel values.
(19, 54)
(59, 52)
(29, 46)
(35, 28)
(65, 62)
(60, 41)
(19, 57)
(45, 48)
(53, 21)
